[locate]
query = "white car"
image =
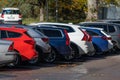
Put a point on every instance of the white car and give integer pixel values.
(11, 15)
(79, 39)
(7, 53)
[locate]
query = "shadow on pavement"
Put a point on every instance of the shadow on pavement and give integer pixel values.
(99, 56)
(59, 63)
(6, 76)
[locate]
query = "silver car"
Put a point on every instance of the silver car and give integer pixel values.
(7, 53)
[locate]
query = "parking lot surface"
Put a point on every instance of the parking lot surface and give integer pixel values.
(99, 67)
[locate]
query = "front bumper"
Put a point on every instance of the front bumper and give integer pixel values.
(12, 22)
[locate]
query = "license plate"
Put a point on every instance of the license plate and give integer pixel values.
(11, 18)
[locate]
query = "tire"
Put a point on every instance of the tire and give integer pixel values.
(97, 50)
(34, 61)
(69, 57)
(50, 57)
(75, 51)
(91, 54)
(116, 49)
(17, 61)
(38, 59)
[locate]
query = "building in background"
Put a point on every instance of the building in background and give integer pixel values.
(111, 12)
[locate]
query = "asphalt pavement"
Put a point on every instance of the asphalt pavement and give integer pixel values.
(99, 67)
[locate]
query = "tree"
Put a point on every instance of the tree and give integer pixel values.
(69, 10)
(40, 4)
(92, 10)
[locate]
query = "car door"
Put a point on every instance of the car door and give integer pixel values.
(4, 46)
(114, 34)
(112, 31)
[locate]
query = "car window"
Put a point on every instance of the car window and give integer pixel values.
(93, 25)
(3, 34)
(51, 33)
(105, 28)
(40, 33)
(111, 28)
(92, 33)
(97, 25)
(13, 34)
(11, 12)
(68, 28)
(32, 33)
(27, 34)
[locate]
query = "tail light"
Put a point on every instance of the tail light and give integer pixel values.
(11, 47)
(86, 36)
(67, 38)
(29, 42)
(106, 38)
(90, 38)
(46, 40)
(20, 16)
(2, 15)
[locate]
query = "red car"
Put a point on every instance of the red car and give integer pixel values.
(23, 43)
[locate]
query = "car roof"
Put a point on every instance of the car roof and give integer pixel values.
(55, 23)
(10, 8)
(108, 20)
(104, 23)
(50, 27)
(13, 28)
(93, 23)
(15, 25)
(32, 32)
(94, 28)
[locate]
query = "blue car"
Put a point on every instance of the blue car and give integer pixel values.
(59, 41)
(100, 40)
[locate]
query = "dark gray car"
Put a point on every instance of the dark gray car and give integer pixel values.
(42, 44)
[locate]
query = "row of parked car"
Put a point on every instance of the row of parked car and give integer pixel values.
(48, 42)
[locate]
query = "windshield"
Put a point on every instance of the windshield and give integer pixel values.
(11, 12)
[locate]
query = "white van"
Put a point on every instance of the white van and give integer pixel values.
(11, 15)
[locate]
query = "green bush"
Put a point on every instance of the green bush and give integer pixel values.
(30, 20)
